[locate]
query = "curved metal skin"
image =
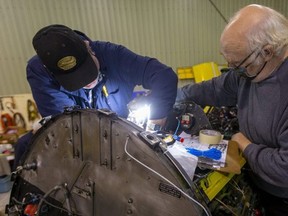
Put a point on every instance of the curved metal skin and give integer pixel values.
(77, 165)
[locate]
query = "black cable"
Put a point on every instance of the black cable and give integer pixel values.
(61, 209)
(219, 12)
(43, 199)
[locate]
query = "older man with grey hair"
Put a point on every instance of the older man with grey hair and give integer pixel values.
(254, 43)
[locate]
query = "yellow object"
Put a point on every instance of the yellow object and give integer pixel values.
(200, 72)
(168, 139)
(216, 181)
(104, 89)
(205, 71)
(185, 73)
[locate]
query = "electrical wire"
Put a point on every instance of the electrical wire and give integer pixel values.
(237, 187)
(23, 203)
(165, 179)
(175, 136)
(178, 125)
(57, 207)
(56, 188)
(18, 202)
(43, 199)
(226, 206)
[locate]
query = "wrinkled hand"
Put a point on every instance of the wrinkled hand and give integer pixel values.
(242, 140)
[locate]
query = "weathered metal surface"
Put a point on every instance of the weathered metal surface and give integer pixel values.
(83, 152)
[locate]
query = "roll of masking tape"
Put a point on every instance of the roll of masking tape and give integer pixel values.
(210, 136)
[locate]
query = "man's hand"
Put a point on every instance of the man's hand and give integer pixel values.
(242, 141)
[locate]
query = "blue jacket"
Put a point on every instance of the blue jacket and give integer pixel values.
(122, 70)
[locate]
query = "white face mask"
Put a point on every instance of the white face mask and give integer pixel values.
(92, 84)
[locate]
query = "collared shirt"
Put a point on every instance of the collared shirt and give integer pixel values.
(122, 71)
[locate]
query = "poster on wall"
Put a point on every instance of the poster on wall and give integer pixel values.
(17, 112)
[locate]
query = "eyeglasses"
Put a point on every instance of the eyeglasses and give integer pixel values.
(242, 71)
(245, 59)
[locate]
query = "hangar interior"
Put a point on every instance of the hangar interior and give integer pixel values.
(114, 167)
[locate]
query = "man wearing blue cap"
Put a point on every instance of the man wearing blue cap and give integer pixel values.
(70, 69)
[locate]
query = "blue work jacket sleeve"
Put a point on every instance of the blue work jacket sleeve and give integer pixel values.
(162, 80)
(49, 98)
(151, 74)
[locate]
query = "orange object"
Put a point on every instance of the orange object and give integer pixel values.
(30, 210)
(6, 121)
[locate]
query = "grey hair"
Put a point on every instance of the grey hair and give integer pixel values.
(271, 30)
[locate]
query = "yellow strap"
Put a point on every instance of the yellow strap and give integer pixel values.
(104, 89)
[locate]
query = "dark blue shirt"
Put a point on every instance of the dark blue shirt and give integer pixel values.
(122, 70)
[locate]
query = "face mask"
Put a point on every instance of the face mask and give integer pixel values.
(242, 71)
(92, 84)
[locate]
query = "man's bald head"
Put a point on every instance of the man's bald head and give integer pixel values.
(254, 26)
(255, 38)
(235, 34)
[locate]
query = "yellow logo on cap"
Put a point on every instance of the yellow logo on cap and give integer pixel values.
(67, 62)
